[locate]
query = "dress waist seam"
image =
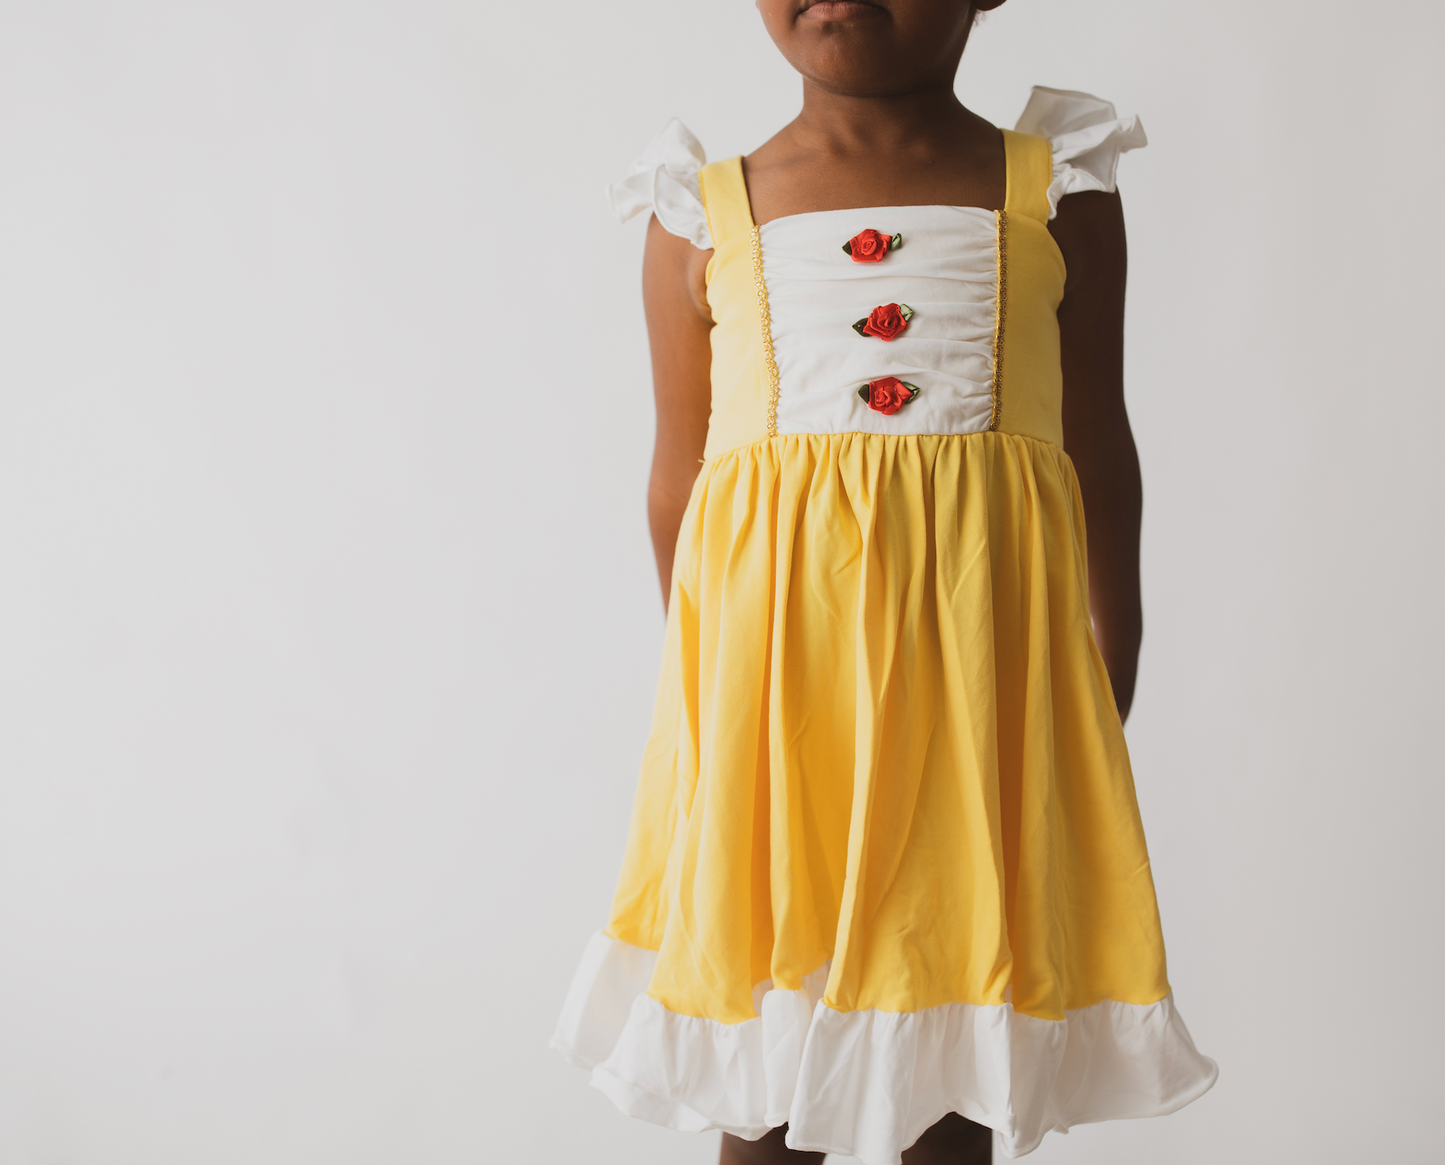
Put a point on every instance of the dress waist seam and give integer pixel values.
(781, 437)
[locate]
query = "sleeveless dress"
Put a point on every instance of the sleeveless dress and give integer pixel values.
(885, 860)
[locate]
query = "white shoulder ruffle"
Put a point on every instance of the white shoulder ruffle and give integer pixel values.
(664, 181)
(1087, 137)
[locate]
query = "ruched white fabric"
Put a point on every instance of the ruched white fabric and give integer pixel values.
(866, 1084)
(664, 181)
(1086, 135)
(946, 271)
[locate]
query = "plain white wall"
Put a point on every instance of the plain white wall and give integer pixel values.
(328, 626)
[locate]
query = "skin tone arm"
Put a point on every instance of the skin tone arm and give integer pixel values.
(674, 297)
(1089, 229)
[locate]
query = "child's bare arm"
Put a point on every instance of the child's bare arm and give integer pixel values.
(1089, 229)
(674, 294)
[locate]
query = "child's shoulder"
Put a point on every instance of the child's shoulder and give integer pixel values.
(790, 174)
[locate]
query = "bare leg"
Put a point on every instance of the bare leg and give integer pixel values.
(766, 1150)
(955, 1140)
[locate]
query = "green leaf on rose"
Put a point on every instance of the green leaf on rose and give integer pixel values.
(848, 247)
(858, 327)
(906, 312)
(895, 242)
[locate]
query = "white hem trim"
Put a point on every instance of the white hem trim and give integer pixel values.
(866, 1084)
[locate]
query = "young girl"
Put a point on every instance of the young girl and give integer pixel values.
(886, 882)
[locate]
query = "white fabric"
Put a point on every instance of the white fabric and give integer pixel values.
(1086, 135)
(946, 270)
(664, 181)
(609, 977)
(866, 1084)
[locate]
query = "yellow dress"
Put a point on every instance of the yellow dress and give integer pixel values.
(885, 859)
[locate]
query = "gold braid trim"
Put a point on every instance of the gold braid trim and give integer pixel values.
(998, 321)
(765, 318)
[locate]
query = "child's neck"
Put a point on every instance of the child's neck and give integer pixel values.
(909, 149)
(844, 124)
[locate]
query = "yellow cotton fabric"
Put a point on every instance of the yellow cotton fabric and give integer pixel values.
(740, 381)
(1031, 389)
(884, 737)
(1031, 382)
(1029, 168)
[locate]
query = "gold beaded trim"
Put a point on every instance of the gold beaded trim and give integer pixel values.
(998, 321)
(766, 319)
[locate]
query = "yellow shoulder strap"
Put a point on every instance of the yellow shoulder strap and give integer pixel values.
(725, 197)
(1029, 163)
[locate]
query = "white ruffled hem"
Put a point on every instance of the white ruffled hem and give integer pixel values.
(664, 180)
(1086, 136)
(866, 1084)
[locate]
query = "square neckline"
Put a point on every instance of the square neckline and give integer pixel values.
(1008, 166)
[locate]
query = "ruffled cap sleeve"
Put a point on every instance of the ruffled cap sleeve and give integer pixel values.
(1086, 135)
(664, 181)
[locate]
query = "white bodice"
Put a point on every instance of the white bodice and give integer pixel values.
(946, 271)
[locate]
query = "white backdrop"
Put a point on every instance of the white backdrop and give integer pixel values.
(328, 626)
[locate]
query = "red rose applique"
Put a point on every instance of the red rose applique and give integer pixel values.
(871, 246)
(888, 395)
(885, 322)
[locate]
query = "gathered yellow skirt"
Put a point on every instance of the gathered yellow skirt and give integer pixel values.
(886, 785)
(884, 736)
